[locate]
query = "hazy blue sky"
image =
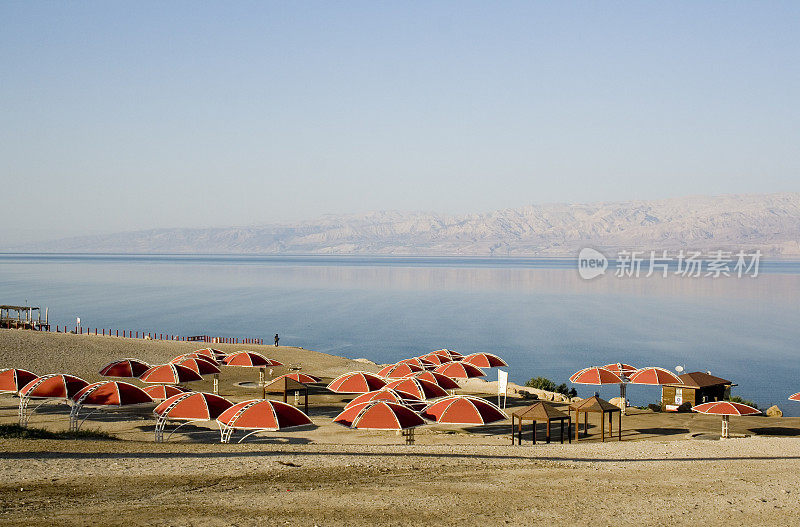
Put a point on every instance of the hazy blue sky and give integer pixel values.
(129, 115)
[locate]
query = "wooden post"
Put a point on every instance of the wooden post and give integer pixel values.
(561, 429)
(534, 431)
(620, 427)
(569, 429)
(548, 431)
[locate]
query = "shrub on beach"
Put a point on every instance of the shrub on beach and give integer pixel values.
(737, 399)
(654, 407)
(543, 383)
(20, 432)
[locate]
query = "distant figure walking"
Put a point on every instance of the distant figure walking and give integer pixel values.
(277, 338)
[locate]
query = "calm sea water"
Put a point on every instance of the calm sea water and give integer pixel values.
(536, 313)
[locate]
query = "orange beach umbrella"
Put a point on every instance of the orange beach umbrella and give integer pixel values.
(303, 378)
(443, 381)
(126, 368)
(13, 379)
(53, 386)
(356, 382)
(725, 409)
(459, 370)
(169, 374)
(201, 366)
(387, 394)
(190, 406)
(463, 410)
(160, 392)
(259, 415)
(250, 359)
(399, 370)
(419, 388)
(111, 393)
(379, 415)
(654, 376)
(620, 368)
(596, 376)
(484, 360)
(795, 397)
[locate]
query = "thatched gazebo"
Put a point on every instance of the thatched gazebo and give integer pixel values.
(543, 412)
(599, 406)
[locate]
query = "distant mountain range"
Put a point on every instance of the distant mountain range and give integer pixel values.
(770, 222)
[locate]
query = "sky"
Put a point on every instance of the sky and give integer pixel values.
(119, 116)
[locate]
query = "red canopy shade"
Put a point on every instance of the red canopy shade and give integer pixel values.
(463, 410)
(725, 408)
(387, 394)
(169, 374)
(459, 370)
(484, 360)
(53, 386)
(620, 368)
(443, 381)
(216, 355)
(399, 370)
(450, 354)
(435, 359)
(193, 406)
(201, 366)
(250, 359)
(261, 414)
(301, 377)
(160, 392)
(595, 375)
(356, 382)
(13, 379)
(653, 375)
(418, 388)
(379, 415)
(111, 393)
(124, 368)
(194, 355)
(417, 361)
(795, 397)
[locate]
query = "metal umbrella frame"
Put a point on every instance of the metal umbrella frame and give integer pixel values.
(90, 396)
(164, 410)
(37, 389)
(229, 420)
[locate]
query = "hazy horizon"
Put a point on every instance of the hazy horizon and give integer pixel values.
(121, 117)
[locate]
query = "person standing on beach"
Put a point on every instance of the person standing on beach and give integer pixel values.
(277, 338)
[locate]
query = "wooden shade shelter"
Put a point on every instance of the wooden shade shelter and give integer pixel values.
(284, 385)
(543, 412)
(596, 405)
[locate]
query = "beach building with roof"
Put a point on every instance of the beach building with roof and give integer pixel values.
(697, 388)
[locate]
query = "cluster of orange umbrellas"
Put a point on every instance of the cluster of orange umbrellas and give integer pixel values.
(624, 374)
(413, 391)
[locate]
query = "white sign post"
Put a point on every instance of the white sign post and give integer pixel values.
(502, 386)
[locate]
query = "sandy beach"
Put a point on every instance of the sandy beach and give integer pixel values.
(669, 468)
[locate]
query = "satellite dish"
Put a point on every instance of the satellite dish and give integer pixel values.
(679, 368)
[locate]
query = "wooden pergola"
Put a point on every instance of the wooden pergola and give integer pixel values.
(285, 385)
(599, 406)
(542, 412)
